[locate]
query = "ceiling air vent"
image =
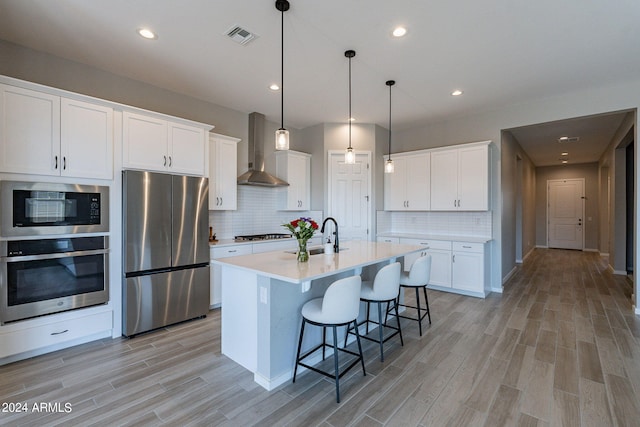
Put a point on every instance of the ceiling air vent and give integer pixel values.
(568, 139)
(240, 35)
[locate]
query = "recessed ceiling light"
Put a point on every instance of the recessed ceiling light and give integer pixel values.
(274, 87)
(457, 92)
(563, 139)
(564, 153)
(564, 162)
(147, 33)
(399, 31)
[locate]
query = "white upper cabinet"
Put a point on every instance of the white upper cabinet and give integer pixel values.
(408, 187)
(295, 168)
(223, 172)
(152, 143)
(460, 178)
(86, 139)
(45, 134)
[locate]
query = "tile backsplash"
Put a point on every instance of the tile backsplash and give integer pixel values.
(257, 213)
(476, 224)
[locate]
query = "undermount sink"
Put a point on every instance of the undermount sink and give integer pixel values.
(315, 251)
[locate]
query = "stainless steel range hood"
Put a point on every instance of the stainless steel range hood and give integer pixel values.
(256, 174)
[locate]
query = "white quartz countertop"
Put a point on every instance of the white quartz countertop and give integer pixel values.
(451, 238)
(283, 265)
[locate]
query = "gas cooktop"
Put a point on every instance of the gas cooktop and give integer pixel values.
(252, 237)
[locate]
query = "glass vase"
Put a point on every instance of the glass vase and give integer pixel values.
(303, 253)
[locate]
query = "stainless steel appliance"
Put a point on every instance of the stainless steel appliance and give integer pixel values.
(33, 208)
(166, 250)
(47, 276)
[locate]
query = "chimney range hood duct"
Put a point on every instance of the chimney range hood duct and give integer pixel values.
(256, 174)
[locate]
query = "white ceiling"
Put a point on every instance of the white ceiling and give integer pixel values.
(499, 52)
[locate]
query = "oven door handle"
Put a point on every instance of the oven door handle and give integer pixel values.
(41, 257)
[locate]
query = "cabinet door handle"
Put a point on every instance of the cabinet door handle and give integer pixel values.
(60, 333)
(221, 202)
(165, 161)
(169, 161)
(56, 166)
(453, 258)
(64, 163)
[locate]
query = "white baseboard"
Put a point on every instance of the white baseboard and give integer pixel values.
(497, 290)
(590, 250)
(542, 247)
(618, 272)
(507, 277)
(527, 254)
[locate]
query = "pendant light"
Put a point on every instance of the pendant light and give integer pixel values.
(388, 167)
(349, 155)
(282, 135)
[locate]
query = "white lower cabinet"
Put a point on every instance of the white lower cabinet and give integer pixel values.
(468, 263)
(33, 335)
(455, 266)
(215, 291)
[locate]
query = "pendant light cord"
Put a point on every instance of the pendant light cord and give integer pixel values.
(389, 122)
(349, 102)
(282, 71)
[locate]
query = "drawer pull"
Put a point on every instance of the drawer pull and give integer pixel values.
(234, 250)
(466, 247)
(60, 333)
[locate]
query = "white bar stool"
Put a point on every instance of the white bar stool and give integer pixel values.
(383, 289)
(339, 307)
(418, 277)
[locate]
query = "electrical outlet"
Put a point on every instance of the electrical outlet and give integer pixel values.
(263, 295)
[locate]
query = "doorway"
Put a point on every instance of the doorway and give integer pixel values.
(565, 202)
(349, 195)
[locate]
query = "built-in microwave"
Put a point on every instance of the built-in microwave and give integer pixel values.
(35, 209)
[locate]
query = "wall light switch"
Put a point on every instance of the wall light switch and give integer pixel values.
(263, 295)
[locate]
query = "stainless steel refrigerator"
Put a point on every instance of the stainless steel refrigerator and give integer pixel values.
(165, 249)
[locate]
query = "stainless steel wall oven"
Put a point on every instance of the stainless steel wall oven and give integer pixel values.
(45, 276)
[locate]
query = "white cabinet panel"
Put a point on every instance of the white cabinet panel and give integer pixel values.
(468, 266)
(29, 131)
(21, 340)
(86, 139)
(223, 172)
(186, 149)
(295, 168)
(460, 178)
(215, 271)
(145, 142)
(408, 187)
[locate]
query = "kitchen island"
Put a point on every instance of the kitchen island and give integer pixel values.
(262, 295)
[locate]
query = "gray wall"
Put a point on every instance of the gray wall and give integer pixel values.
(588, 171)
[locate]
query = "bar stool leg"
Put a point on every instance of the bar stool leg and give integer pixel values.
(295, 369)
(324, 340)
(399, 328)
(335, 362)
(426, 299)
(367, 319)
(381, 332)
(364, 372)
(418, 308)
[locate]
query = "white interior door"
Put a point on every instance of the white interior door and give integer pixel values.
(349, 192)
(565, 199)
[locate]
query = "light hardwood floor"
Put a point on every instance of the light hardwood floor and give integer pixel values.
(560, 346)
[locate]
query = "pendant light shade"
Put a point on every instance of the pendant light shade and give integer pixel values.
(388, 167)
(282, 135)
(349, 155)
